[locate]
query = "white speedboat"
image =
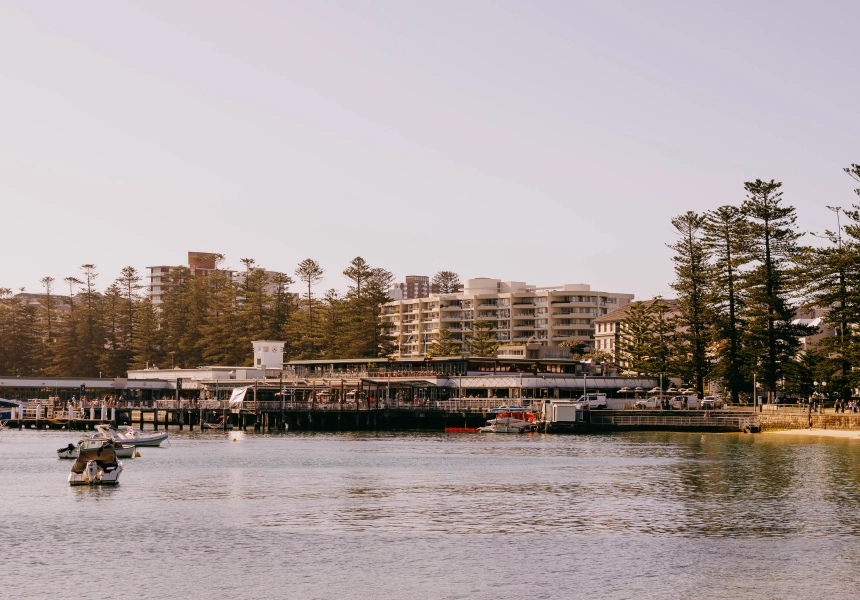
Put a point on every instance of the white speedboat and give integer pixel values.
(96, 464)
(130, 435)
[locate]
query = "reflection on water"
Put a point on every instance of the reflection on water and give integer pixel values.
(658, 515)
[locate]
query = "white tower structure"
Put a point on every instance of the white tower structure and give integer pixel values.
(268, 354)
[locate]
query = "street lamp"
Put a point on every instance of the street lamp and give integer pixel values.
(818, 385)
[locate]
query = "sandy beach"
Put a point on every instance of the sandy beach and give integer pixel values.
(834, 433)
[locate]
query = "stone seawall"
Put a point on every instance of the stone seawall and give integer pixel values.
(801, 421)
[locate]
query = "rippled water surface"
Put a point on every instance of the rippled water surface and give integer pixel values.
(647, 515)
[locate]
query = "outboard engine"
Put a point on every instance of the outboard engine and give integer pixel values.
(92, 471)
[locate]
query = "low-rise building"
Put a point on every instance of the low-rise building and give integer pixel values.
(608, 329)
(519, 314)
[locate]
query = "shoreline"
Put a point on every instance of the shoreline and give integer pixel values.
(831, 433)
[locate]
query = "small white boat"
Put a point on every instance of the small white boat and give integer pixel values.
(70, 451)
(96, 464)
(513, 419)
(121, 450)
(507, 426)
(129, 435)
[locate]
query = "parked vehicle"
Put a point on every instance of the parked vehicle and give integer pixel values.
(710, 402)
(593, 401)
(684, 402)
(648, 403)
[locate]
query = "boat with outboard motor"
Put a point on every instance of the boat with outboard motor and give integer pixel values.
(510, 419)
(96, 464)
(122, 450)
(129, 435)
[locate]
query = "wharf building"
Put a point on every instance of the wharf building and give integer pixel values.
(523, 317)
(431, 383)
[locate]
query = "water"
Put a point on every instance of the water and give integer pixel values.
(650, 515)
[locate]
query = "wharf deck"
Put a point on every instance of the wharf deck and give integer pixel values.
(361, 417)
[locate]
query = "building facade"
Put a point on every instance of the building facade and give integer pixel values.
(200, 264)
(519, 313)
(415, 286)
(608, 329)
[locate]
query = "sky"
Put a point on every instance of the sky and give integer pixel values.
(539, 141)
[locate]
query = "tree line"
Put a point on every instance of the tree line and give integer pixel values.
(203, 319)
(741, 274)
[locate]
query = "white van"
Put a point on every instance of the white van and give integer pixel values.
(593, 401)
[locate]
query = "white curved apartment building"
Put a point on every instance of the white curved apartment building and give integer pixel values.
(520, 312)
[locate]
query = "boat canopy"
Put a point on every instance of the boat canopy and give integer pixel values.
(98, 450)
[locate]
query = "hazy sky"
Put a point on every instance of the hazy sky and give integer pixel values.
(542, 141)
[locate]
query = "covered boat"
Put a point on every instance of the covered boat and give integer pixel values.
(96, 464)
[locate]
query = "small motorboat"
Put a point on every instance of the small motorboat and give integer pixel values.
(70, 451)
(96, 464)
(129, 435)
(122, 450)
(512, 419)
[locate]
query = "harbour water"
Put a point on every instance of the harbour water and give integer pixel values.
(648, 515)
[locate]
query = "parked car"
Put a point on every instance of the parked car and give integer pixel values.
(710, 402)
(648, 403)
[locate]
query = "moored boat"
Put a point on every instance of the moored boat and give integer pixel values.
(511, 419)
(96, 464)
(130, 435)
(122, 450)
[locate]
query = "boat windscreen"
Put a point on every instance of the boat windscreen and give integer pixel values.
(105, 456)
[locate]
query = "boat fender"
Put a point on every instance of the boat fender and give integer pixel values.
(234, 439)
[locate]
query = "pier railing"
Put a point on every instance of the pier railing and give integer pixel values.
(703, 420)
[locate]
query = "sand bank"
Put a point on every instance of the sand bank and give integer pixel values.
(835, 433)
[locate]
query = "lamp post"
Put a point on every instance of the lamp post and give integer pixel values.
(755, 393)
(824, 385)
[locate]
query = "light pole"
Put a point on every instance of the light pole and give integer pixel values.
(818, 385)
(755, 393)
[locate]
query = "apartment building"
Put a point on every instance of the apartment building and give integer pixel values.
(159, 280)
(415, 286)
(608, 328)
(520, 313)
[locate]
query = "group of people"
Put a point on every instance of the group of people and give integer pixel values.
(841, 405)
(82, 402)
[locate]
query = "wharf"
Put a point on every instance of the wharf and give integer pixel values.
(436, 416)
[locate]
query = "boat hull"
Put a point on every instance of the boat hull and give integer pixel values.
(96, 475)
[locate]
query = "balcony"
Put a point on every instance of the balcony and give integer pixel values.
(523, 303)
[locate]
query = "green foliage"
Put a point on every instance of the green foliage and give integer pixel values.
(445, 282)
(724, 236)
(481, 341)
(693, 275)
(769, 284)
(445, 345)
